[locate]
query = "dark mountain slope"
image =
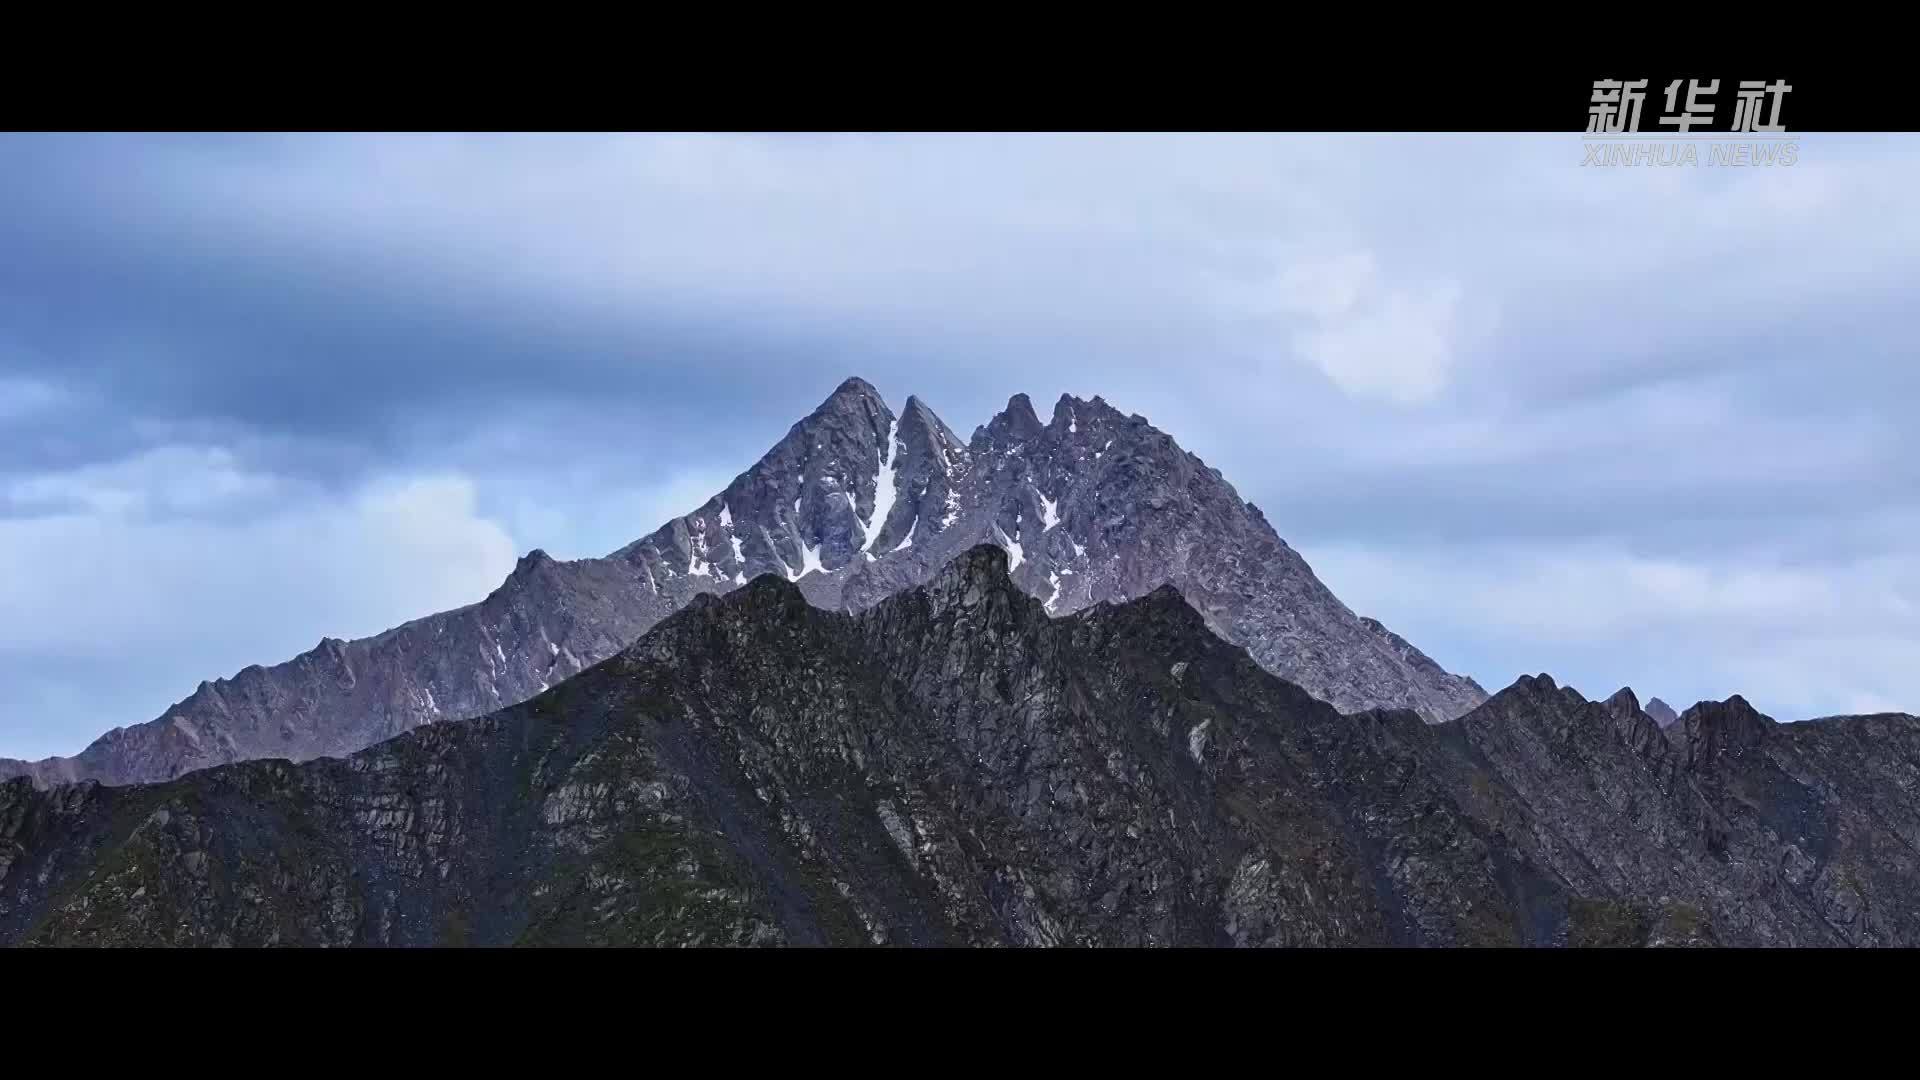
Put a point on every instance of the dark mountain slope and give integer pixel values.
(954, 766)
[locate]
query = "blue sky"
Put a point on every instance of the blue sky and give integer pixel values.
(1643, 426)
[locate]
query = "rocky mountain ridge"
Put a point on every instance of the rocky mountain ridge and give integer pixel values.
(954, 766)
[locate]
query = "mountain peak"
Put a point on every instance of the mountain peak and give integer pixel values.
(1633, 725)
(981, 562)
(1714, 728)
(1538, 689)
(855, 417)
(532, 561)
(1168, 602)
(852, 505)
(919, 422)
(1066, 411)
(1662, 713)
(971, 578)
(1017, 423)
(1624, 700)
(1072, 416)
(853, 386)
(855, 397)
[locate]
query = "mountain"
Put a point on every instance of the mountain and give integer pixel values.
(1662, 713)
(953, 766)
(854, 503)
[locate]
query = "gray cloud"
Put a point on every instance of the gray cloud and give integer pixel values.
(1463, 375)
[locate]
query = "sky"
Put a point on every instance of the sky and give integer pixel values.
(1627, 426)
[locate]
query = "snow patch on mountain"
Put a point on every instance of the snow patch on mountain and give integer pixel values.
(809, 560)
(1015, 553)
(885, 485)
(1049, 511)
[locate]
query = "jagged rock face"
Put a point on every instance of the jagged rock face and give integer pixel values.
(854, 503)
(1773, 834)
(953, 766)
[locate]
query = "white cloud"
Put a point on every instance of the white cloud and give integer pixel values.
(1397, 346)
(24, 397)
(165, 479)
(1372, 336)
(1798, 640)
(123, 597)
(578, 513)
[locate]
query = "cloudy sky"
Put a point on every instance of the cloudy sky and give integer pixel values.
(1627, 426)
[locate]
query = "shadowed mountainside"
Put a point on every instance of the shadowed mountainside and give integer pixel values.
(953, 766)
